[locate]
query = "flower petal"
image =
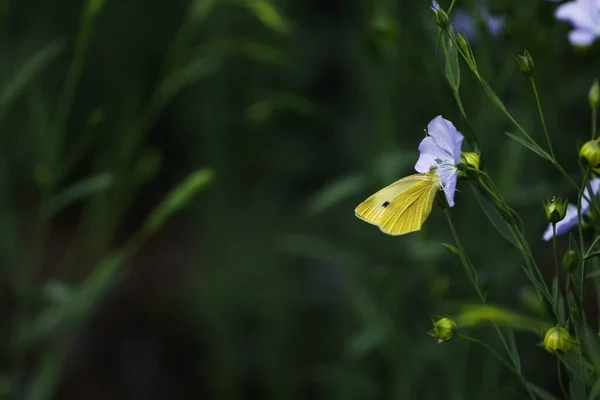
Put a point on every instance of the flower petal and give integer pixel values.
(580, 37)
(563, 226)
(430, 152)
(495, 24)
(463, 22)
(447, 137)
(585, 200)
(448, 176)
(580, 13)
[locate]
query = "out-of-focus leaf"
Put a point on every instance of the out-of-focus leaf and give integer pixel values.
(28, 72)
(514, 351)
(177, 198)
(78, 191)
(494, 217)
(261, 52)
(57, 292)
(268, 15)
(475, 315)
(334, 193)
(202, 8)
(185, 76)
(531, 146)
(46, 375)
(451, 61)
(543, 394)
(94, 7)
(492, 95)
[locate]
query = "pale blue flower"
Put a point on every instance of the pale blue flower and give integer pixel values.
(441, 150)
(464, 22)
(584, 15)
(570, 219)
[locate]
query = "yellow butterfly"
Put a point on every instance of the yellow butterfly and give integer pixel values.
(403, 206)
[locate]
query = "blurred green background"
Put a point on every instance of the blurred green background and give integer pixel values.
(265, 286)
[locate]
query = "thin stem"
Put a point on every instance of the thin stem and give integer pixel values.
(560, 380)
(555, 265)
(539, 106)
(473, 69)
(594, 120)
(502, 360)
(451, 6)
(472, 274)
(523, 246)
(580, 229)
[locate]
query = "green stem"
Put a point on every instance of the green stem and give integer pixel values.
(581, 241)
(472, 275)
(539, 106)
(451, 6)
(594, 120)
(523, 245)
(555, 265)
(67, 94)
(560, 380)
(502, 360)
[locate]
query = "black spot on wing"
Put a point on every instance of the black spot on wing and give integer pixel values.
(385, 204)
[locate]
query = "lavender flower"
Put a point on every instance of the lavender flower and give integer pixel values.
(441, 150)
(464, 22)
(570, 219)
(584, 15)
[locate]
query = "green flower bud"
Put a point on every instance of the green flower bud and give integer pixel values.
(570, 261)
(526, 64)
(558, 339)
(471, 159)
(555, 210)
(463, 44)
(444, 329)
(441, 18)
(590, 152)
(594, 95)
(468, 166)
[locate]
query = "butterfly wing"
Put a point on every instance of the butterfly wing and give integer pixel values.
(410, 209)
(372, 209)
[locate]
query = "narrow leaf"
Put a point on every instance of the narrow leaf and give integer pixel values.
(492, 95)
(178, 198)
(335, 192)
(28, 72)
(531, 146)
(494, 217)
(78, 191)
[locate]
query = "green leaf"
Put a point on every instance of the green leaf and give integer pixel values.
(268, 15)
(334, 193)
(452, 66)
(452, 249)
(592, 255)
(46, 375)
(27, 72)
(595, 390)
(531, 146)
(492, 95)
(543, 394)
(494, 217)
(185, 76)
(78, 191)
(540, 288)
(514, 351)
(177, 199)
(201, 8)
